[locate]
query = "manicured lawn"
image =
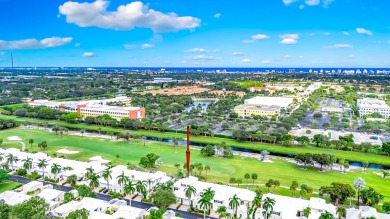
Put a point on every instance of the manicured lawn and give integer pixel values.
(348, 155)
(8, 185)
(221, 169)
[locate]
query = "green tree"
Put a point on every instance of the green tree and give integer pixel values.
(234, 203)
(359, 184)
(386, 206)
(31, 142)
(33, 208)
(318, 139)
(43, 145)
(247, 176)
(28, 163)
(149, 160)
(106, 174)
(386, 148)
(337, 192)
(307, 212)
(122, 180)
(222, 211)
(205, 204)
(270, 184)
(93, 181)
(341, 212)
(208, 151)
(365, 166)
(254, 177)
(4, 176)
(11, 160)
(371, 197)
(68, 197)
(130, 188)
(42, 164)
(256, 203)
(293, 187)
(326, 215)
(268, 206)
(163, 198)
(71, 180)
(78, 214)
(55, 169)
(189, 192)
(85, 191)
(5, 211)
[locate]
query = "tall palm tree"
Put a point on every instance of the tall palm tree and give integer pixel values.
(268, 206)
(130, 189)
(141, 187)
(341, 212)
(42, 163)
(107, 176)
(55, 169)
(149, 182)
(10, 160)
(189, 191)
(93, 181)
(222, 211)
(205, 204)
(209, 193)
(256, 204)
(28, 162)
(122, 180)
(234, 203)
(326, 215)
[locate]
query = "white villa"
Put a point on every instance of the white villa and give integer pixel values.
(365, 212)
(223, 194)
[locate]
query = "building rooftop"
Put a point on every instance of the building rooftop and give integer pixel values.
(372, 103)
(50, 194)
(68, 207)
(128, 212)
(254, 107)
(13, 198)
(269, 101)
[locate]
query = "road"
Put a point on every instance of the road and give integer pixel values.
(108, 198)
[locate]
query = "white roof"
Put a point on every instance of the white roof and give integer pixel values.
(32, 184)
(50, 194)
(100, 215)
(13, 198)
(68, 207)
(91, 204)
(269, 101)
(372, 103)
(128, 212)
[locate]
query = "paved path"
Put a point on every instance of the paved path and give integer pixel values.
(108, 198)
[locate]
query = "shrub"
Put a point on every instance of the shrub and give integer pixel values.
(21, 172)
(114, 194)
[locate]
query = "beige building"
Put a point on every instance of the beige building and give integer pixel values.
(253, 110)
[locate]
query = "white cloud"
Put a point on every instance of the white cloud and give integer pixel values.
(201, 58)
(34, 43)
(238, 54)
(77, 45)
(301, 6)
(287, 2)
(126, 17)
(218, 15)
(289, 39)
(388, 41)
(326, 34)
(350, 56)
(301, 57)
(338, 46)
(256, 37)
(312, 2)
(88, 54)
(147, 46)
(346, 33)
(286, 56)
(266, 62)
(363, 31)
(130, 46)
(325, 3)
(246, 60)
(197, 50)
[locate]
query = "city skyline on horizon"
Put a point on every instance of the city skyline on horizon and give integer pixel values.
(125, 33)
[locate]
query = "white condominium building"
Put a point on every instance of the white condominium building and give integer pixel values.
(369, 106)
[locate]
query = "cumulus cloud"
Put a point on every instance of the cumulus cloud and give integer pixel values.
(77, 45)
(324, 3)
(147, 46)
(34, 43)
(130, 46)
(197, 50)
(246, 60)
(266, 62)
(238, 54)
(287, 2)
(289, 39)
(201, 58)
(312, 2)
(218, 15)
(346, 33)
(255, 38)
(338, 46)
(363, 31)
(126, 17)
(88, 54)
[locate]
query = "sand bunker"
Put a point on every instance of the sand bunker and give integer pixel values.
(66, 151)
(14, 138)
(99, 159)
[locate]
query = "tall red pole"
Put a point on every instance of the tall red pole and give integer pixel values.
(188, 153)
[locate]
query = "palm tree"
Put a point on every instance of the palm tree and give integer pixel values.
(341, 211)
(256, 203)
(326, 215)
(234, 203)
(10, 160)
(359, 184)
(42, 163)
(209, 193)
(107, 176)
(93, 181)
(149, 182)
(130, 189)
(189, 191)
(89, 172)
(28, 164)
(205, 204)
(306, 212)
(141, 187)
(268, 206)
(122, 180)
(221, 211)
(55, 169)
(31, 142)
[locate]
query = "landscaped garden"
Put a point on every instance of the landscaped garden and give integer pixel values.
(221, 169)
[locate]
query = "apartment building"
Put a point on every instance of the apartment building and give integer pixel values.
(369, 106)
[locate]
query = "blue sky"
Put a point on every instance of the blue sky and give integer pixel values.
(201, 33)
